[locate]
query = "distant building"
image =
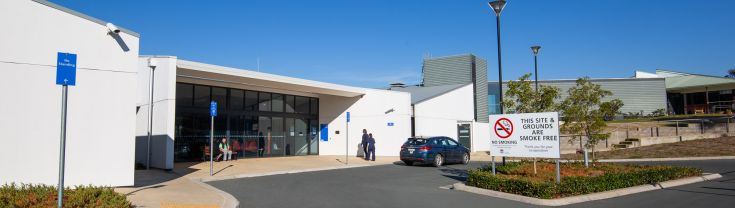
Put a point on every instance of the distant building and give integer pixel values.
(460, 69)
(640, 95)
(451, 100)
(688, 93)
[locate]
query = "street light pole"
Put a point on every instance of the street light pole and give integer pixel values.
(152, 64)
(535, 50)
(497, 7)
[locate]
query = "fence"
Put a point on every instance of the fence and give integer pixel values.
(653, 132)
(191, 148)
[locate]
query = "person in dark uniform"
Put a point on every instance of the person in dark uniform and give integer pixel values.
(365, 138)
(261, 144)
(371, 148)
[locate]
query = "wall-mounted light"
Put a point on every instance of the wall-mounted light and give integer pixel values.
(112, 28)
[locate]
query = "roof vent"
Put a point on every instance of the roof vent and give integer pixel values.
(397, 84)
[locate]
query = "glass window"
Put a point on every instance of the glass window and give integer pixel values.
(236, 98)
(265, 136)
(184, 94)
(278, 141)
(302, 105)
(220, 96)
(251, 101)
(290, 136)
(412, 141)
(201, 96)
(450, 142)
(264, 101)
(314, 106)
(289, 104)
(277, 102)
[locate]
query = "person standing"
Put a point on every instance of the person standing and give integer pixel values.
(261, 144)
(371, 148)
(365, 138)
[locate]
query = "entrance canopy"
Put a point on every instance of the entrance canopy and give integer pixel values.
(195, 71)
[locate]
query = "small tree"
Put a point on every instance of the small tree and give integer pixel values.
(731, 73)
(522, 98)
(584, 112)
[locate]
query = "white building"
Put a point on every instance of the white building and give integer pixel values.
(101, 107)
(251, 104)
(260, 114)
(447, 110)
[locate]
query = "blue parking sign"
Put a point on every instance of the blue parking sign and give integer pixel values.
(66, 69)
(213, 109)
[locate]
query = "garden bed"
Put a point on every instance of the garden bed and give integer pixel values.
(518, 178)
(45, 196)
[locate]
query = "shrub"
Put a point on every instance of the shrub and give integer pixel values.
(45, 196)
(486, 180)
(511, 179)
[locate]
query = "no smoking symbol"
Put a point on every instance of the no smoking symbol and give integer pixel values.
(503, 128)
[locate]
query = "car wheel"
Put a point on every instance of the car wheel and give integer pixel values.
(438, 160)
(408, 163)
(465, 158)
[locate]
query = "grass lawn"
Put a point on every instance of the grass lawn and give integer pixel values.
(723, 146)
(518, 178)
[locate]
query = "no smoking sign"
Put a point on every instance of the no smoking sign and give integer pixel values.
(503, 128)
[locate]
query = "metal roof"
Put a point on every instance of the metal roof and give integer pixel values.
(87, 17)
(685, 80)
(420, 94)
(211, 72)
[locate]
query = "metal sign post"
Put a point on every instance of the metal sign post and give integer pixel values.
(347, 139)
(66, 74)
(558, 174)
(493, 158)
(212, 113)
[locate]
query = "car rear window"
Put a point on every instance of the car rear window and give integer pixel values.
(413, 141)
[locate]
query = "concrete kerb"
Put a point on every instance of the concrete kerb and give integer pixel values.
(587, 197)
(228, 199)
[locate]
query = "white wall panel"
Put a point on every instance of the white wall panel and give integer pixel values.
(101, 112)
(367, 112)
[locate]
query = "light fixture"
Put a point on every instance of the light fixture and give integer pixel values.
(535, 49)
(497, 6)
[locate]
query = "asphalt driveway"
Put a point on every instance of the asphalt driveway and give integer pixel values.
(404, 186)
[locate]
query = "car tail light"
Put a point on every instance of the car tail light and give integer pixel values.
(403, 146)
(425, 148)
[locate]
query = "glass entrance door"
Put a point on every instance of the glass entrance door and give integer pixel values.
(313, 137)
(301, 137)
(464, 135)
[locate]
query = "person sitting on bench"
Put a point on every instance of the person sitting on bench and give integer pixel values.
(224, 149)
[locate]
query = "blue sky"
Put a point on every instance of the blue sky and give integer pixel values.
(373, 43)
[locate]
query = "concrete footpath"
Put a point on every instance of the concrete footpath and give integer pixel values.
(184, 187)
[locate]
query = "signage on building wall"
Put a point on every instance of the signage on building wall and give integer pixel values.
(324, 131)
(525, 135)
(348, 117)
(391, 124)
(213, 108)
(66, 68)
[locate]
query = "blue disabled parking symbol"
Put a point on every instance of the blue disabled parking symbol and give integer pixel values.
(213, 109)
